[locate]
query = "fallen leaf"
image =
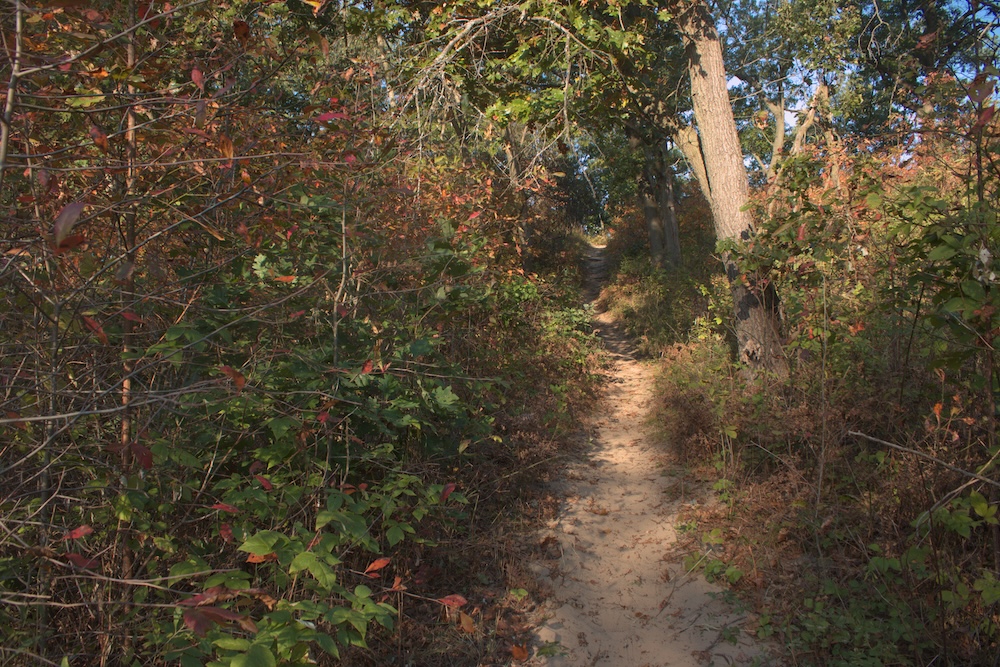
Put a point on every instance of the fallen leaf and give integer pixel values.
(466, 622)
(519, 653)
(454, 601)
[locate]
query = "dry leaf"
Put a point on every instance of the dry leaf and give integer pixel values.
(519, 653)
(466, 622)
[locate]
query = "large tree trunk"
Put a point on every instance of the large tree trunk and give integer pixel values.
(724, 175)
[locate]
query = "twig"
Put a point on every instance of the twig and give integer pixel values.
(985, 480)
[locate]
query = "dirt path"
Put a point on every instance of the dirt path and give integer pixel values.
(620, 594)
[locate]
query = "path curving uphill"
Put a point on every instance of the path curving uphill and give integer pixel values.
(620, 596)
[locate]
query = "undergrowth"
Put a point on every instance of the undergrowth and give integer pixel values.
(858, 498)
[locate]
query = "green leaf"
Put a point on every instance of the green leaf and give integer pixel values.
(263, 542)
(257, 656)
(232, 643)
(394, 535)
(942, 252)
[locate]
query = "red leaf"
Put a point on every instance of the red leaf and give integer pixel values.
(241, 29)
(238, 379)
(332, 115)
(453, 601)
(197, 622)
(446, 491)
(367, 368)
(207, 596)
(223, 507)
(201, 619)
(343, 312)
(255, 466)
(981, 88)
(82, 562)
(96, 328)
(142, 455)
(77, 533)
(132, 317)
(65, 221)
(297, 314)
(70, 242)
(376, 565)
(475, 214)
(264, 482)
(198, 78)
(984, 118)
(323, 417)
(100, 137)
(226, 532)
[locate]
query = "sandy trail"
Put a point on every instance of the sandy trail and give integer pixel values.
(620, 594)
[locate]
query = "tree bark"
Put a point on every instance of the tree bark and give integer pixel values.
(724, 174)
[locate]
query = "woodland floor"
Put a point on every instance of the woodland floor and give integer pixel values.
(611, 560)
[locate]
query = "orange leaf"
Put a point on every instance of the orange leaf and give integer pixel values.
(285, 279)
(376, 565)
(519, 653)
(262, 558)
(937, 410)
(367, 368)
(453, 601)
(397, 585)
(466, 622)
(238, 379)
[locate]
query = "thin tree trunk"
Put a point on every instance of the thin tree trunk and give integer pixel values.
(668, 211)
(754, 299)
(651, 209)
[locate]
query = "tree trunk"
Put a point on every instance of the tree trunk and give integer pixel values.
(724, 174)
(658, 204)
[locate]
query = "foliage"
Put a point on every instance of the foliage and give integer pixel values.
(250, 331)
